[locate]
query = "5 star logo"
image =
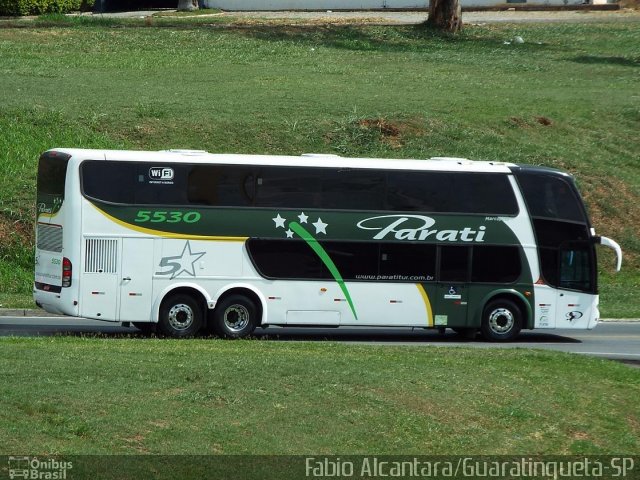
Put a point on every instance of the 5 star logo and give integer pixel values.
(179, 264)
(297, 228)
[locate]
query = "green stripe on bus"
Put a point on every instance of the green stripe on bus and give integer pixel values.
(326, 259)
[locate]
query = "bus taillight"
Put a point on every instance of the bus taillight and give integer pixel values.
(67, 270)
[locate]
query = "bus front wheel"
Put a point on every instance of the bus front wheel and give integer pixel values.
(180, 316)
(235, 317)
(501, 321)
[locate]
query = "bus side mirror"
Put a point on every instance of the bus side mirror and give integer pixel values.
(607, 242)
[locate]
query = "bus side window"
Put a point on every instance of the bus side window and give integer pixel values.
(454, 264)
(407, 192)
(353, 190)
(354, 260)
(416, 262)
(221, 185)
(284, 259)
(287, 187)
(115, 182)
(495, 264)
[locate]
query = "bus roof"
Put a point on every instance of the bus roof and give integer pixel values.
(309, 160)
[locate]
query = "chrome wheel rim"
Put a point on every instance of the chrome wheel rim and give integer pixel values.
(181, 316)
(236, 318)
(501, 320)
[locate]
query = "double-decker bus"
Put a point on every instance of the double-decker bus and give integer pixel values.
(184, 240)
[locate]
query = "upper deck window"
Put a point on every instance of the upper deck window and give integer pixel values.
(135, 183)
(300, 187)
(445, 192)
(551, 196)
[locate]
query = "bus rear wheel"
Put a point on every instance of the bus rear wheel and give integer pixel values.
(501, 321)
(180, 316)
(235, 317)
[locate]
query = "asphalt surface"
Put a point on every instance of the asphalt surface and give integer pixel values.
(618, 340)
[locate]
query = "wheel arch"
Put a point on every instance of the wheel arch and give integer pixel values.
(194, 290)
(508, 294)
(246, 290)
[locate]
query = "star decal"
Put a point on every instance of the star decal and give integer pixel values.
(279, 221)
(321, 227)
(282, 222)
(183, 263)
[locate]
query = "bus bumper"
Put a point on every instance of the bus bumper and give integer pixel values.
(50, 302)
(595, 314)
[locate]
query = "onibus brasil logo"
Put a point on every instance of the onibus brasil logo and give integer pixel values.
(297, 228)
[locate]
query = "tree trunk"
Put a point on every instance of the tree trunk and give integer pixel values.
(187, 5)
(445, 15)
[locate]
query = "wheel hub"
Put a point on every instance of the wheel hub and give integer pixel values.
(501, 320)
(236, 317)
(181, 316)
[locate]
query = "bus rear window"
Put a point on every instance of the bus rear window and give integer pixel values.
(52, 170)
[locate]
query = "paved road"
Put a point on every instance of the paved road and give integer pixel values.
(615, 340)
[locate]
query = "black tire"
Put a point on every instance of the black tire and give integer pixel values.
(235, 317)
(466, 333)
(501, 321)
(180, 316)
(146, 328)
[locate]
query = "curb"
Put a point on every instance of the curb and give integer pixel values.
(26, 312)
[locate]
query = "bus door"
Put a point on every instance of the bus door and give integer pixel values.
(136, 279)
(452, 289)
(576, 275)
(451, 305)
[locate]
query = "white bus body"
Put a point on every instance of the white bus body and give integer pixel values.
(183, 261)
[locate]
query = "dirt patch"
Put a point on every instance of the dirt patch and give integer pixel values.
(525, 123)
(393, 133)
(547, 122)
(518, 122)
(389, 133)
(12, 229)
(612, 208)
(353, 136)
(580, 436)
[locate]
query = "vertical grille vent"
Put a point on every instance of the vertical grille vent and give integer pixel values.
(49, 237)
(101, 255)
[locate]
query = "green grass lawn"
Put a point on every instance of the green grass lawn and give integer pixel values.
(200, 397)
(569, 97)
